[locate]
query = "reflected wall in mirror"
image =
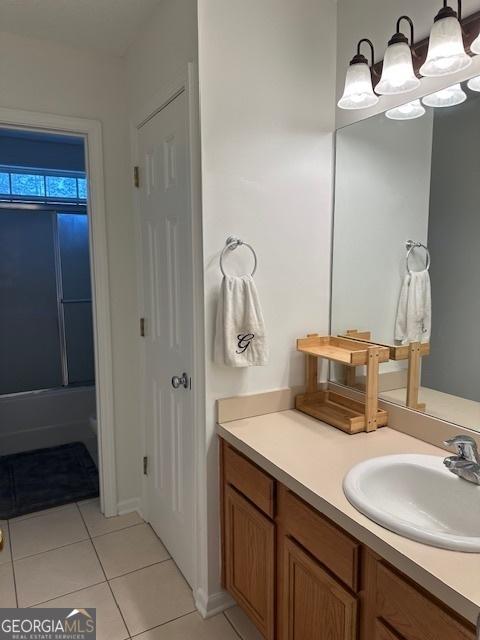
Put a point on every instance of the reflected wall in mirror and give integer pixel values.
(412, 180)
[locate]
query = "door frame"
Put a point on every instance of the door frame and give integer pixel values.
(186, 82)
(91, 132)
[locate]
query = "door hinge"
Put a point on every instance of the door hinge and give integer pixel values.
(136, 177)
(142, 327)
(145, 465)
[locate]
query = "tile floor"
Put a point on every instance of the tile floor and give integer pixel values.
(72, 556)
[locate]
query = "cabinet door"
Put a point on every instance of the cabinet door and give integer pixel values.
(383, 633)
(315, 605)
(249, 560)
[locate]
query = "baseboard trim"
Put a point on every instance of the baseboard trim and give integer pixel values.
(209, 606)
(128, 506)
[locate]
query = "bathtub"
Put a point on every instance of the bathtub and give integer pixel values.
(39, 419)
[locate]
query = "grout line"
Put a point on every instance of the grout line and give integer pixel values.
(163, 624)
(39, 553)
(104, 573)
(119, 610)
(127, 572)
(63, 595)
(122, 575)
(129, 526)
(93, 546)
(231, 624)
(11, 560)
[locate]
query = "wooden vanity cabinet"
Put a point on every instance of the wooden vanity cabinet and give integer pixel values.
(299, 576)
(249, 538)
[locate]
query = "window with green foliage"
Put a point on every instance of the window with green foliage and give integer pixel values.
(32, 184)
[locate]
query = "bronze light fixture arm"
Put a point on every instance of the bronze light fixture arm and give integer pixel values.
(412, 29)
(447, 12)
(459, 12)
(360, 57)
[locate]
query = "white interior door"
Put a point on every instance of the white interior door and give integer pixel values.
(166, 220)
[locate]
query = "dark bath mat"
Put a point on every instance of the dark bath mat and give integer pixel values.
(35, 480)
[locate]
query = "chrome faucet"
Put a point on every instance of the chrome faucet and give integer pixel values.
(466, 464)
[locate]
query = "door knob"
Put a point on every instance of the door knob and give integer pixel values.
(182, 381)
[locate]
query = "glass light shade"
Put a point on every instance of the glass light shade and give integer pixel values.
(408, 111)
(474, 84)
(398, 75)
(475, 46)
(446, 97)
(446, 51)
(358, 92)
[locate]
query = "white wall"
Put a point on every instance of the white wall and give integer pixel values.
(161, 52)
(267, 80)
(376, 19)
(38, 75)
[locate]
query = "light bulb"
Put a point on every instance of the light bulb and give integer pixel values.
(398, 75)
(448, 97)
(474, 84)
(358, 93)
(446, 51)
(408, 111)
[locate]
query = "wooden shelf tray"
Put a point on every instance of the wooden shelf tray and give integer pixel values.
(397, 352)
(343, 350)
(337, 410)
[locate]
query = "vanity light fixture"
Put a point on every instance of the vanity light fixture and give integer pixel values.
(446, 51)
(475, 46)
(398, 75)
(358, 92)
(408, 111)
(448, 97)
(474, 84)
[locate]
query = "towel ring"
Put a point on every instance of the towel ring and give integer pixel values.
(411, 245)
(232, 244)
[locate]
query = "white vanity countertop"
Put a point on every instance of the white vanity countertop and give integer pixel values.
(312, 458)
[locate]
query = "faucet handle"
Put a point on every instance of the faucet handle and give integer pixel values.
(465, 446)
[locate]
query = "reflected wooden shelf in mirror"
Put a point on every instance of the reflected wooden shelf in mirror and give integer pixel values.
(412, 352)
(335, 409)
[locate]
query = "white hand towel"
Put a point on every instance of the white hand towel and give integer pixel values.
(240, 339)
(414, 313)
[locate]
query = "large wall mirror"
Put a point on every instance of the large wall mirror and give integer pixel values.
(411, 188)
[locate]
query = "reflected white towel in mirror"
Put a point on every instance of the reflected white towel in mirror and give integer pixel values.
(414, 313)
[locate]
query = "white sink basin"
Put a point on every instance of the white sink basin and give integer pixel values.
(417, 497)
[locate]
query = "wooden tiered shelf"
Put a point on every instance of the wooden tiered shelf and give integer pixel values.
(340, 411)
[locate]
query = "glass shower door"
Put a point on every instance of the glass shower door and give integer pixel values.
(30, 354)
(75, 298)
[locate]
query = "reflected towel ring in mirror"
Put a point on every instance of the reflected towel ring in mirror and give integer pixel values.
(411, 245)
(232, 244)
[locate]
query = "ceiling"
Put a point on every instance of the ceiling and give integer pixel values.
(104, 25)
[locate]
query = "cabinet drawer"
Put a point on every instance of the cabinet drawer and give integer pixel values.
(250, 558)
(328, 543)
(245, 476)
(413, 614)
